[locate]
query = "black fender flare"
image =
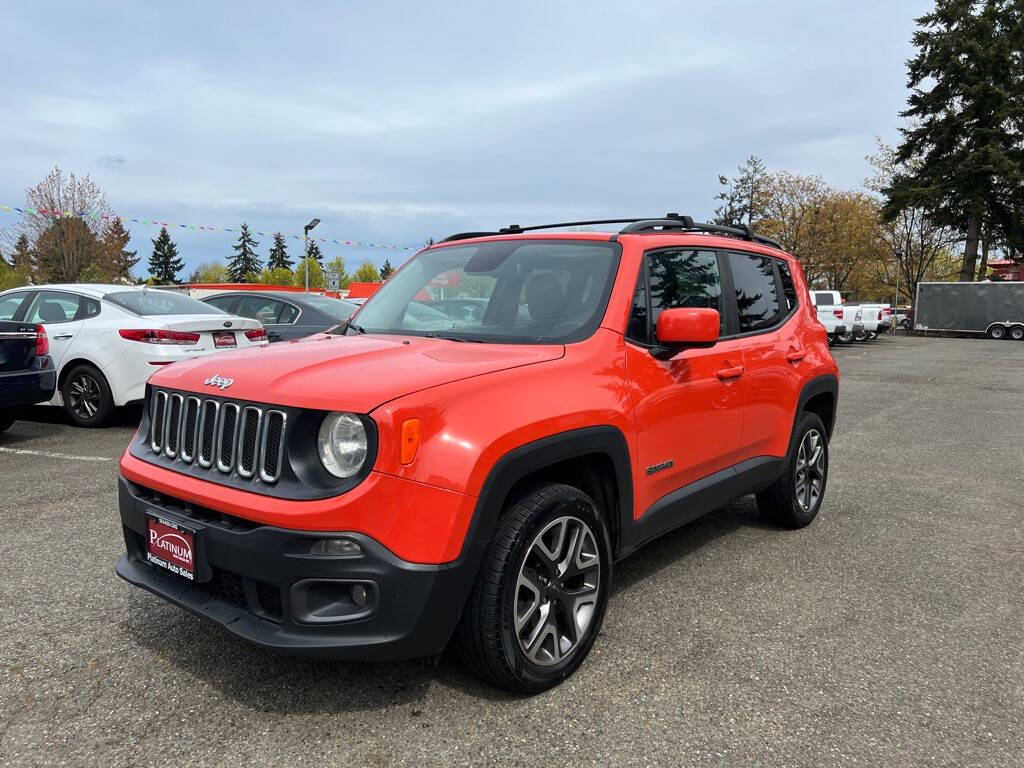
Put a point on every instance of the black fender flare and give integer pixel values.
(825, 384)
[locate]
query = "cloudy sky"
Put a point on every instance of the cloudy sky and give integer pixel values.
(394, 122)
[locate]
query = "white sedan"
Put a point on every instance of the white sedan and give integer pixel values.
(106, 340)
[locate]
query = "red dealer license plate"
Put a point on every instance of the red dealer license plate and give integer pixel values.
(223, 339)
(171, 547)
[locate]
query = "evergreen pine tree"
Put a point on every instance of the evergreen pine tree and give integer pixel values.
(245, 263)
(165, 264)
(963, 142)
(24, 258)
(313, 252)
(386, 270)
(744, 198)
(278, 258)
(120, 262)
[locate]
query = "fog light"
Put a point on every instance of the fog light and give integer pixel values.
(359, 595)
(344, 547)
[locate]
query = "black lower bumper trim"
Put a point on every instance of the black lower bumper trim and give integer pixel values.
(259, 582)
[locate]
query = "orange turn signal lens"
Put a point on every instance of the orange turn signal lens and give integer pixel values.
(410, 440)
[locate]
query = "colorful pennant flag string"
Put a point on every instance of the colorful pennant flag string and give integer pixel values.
(29, 211)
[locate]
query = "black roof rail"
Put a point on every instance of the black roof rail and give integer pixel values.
(687, 224)
(670, 221)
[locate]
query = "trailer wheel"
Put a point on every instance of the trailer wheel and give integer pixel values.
(1017, 332)
(996, 332)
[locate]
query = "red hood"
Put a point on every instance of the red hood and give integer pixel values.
(353, 373)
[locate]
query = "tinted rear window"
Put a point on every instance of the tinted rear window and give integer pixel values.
(157, 302)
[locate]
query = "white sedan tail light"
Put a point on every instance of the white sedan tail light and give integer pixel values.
(158, 336)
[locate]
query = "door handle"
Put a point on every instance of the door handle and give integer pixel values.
(730, 373)
(63, 336)
(796, 355)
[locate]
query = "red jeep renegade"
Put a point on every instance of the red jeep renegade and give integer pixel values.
(466, 457)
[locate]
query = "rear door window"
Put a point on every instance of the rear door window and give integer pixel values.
(223, 303)
(50, 307)
(260, 308)
(11, 303)
(757, 293)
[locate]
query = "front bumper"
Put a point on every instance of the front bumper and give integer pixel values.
(262, 584)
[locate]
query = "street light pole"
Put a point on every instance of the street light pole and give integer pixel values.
(305, 245)
(896, 304)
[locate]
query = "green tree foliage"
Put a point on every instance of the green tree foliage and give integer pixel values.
(64, 249)
(278, 258)
(316, 274)
(387, 270)
(245, 265)
(11, 277)
(117, 263)
(24, 256)
(210, 272)
(743, 198)
(164, 263)
(313, 251)
(276, 276)
(366, 273)
(963, 149)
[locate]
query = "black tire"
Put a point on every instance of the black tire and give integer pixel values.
(844, 338)
(782, 503)
(487, 638)
(996, 332)
(87, 398)
(862, 336)
(6, 420)
(1017, 332)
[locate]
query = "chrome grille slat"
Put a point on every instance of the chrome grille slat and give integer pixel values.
(207, 433)
(172, 424)
(272, 445)
(156, 430)
(248, 449)
(218, 435)
(189, 429)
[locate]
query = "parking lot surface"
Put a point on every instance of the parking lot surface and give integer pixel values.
(888, 632)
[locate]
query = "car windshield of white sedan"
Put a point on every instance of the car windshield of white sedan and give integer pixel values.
(527, 291)
(157, 302)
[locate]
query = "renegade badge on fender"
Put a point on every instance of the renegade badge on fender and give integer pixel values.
(467, 456)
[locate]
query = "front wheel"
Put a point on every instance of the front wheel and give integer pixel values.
(997, 332)
(87, 398)
(794, 499)
(6, 420)
(537, 606)
(844, 338)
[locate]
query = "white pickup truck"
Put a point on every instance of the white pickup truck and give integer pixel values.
(843, 323)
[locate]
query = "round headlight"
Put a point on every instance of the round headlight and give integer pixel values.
(342, 444)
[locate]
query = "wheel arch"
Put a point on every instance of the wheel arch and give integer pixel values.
(69, 365)
(819, 396)
(593, 459)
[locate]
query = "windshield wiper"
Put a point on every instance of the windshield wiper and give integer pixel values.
(356, 328)
(451, 337)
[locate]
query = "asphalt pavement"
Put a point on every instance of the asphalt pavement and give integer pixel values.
(889, 632)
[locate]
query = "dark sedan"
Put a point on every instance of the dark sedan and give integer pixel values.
(27, 374)
(285, 315)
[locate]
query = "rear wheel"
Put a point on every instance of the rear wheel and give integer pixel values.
(793, 500)
(997, 332)
(862, 336)
(6, 420)
(844, 338)
(1017, 332)
(539, 601)
(87, 398)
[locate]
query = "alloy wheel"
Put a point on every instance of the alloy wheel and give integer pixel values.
(85, 396)
(556, 591)
(810, 470)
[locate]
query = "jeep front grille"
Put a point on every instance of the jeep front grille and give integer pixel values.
(222, 435)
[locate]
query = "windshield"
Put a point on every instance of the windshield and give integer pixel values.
(157, 302)
(529, 291)
(336, 308)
